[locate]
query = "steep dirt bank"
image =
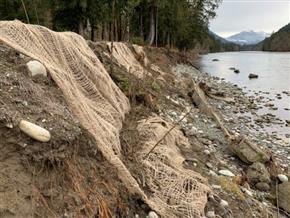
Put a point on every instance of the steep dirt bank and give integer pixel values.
(210, 152)
(68, 177)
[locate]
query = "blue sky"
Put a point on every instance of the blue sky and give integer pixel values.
(234, 16)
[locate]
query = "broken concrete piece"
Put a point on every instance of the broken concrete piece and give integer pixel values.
(34, 131)
(36, 68)
(248, 152)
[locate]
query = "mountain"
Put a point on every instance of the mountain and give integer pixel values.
(248, 37)
(278, 41)
(217, 37)
(215, 43)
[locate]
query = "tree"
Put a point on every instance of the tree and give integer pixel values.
(182, 24)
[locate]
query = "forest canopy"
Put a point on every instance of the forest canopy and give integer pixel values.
(182, 24)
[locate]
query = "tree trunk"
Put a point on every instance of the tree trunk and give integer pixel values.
(156, 26)
(103, 31)
(120, 28)
(110, 31)
(168, 40)
(128, 26)
(141, 23)
(93, 33)
(152, 27)
(81, 28)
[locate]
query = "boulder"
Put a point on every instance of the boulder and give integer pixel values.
(152, 214)
(210, 214)
(282, 178)
(248, 152)
(253, 76)
(36, 68)
(284, 196)
(262, 186)
(237, 71)
(34, 131)
(224, 203)
(215, 59)
(258, 173)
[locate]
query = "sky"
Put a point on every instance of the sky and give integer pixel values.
(234, 16)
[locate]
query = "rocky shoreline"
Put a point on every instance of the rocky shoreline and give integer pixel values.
(240, 117)
(162, 94)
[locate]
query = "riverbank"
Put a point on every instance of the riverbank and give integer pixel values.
(270, 91)
(158, 84)
(209, 152)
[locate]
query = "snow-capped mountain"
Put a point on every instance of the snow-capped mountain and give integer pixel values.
(248, 37)
(217, 37)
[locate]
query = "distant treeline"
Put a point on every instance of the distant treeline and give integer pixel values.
(217, 45)
(279, 41)
(181, 24)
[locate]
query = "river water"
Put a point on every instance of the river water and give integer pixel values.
(273, 69)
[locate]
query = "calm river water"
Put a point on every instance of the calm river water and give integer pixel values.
(273, 69)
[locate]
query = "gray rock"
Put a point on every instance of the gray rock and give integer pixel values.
(284, 196)
(253, 76)
(257, 172)
(224, 203)
(226, 173)
(262, 186)
(282, 178)
(152, 214)
(36, 68)
(248, 152)
(210, 214)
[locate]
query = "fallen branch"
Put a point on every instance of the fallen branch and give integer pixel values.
(160, 140)
(246, 150)
(225, 99)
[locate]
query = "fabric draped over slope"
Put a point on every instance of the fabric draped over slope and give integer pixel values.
(97, 102)
(100, 107)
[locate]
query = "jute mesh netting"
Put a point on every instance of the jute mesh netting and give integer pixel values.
(100, 107)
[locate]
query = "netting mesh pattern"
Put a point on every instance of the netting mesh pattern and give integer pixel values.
(126, 58)
(178, 190)
(100, 107)
(92, 96)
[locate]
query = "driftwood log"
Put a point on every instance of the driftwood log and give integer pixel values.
(246, 150)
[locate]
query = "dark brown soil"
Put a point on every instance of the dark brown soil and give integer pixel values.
(66, 177)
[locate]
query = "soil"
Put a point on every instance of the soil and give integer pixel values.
(66, 177)
(171, 102)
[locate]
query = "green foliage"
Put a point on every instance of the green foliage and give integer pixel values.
(279, 41)
(137, 40)
(156, 87)
(182, 24)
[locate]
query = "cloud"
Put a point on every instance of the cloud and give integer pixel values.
(234, 16)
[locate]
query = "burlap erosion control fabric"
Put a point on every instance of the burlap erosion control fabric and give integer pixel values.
(176, 189)
(100, 107)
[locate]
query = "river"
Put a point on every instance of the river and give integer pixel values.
(273, 69)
